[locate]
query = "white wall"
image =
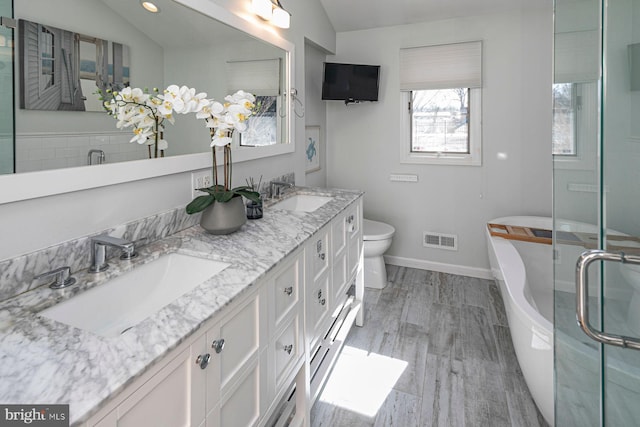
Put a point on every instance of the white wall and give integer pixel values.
(315, 111)
(515, 176)
(34, 224)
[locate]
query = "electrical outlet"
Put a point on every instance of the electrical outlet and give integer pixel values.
(199, 180)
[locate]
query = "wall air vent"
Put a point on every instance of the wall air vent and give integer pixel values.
(440, 240)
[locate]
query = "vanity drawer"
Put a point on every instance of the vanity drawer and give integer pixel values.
(286, 291)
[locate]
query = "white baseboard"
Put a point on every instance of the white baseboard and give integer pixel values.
(481, 273)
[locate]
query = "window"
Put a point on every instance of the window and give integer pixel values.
(263, 79)
(441, 108)
(262, 127)
(440, 121)
(565, 109)
(46, 48)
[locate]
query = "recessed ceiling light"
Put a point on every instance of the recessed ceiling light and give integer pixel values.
(150, 6)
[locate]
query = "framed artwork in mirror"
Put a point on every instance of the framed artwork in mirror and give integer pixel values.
(62, 70)
(312, 148)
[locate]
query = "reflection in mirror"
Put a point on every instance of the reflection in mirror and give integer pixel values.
(6, 102)
(175, 46)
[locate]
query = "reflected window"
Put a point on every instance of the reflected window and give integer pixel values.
(263, 124)
(565, 108)
(46, 46)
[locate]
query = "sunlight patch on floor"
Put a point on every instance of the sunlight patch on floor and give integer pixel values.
(361, 381)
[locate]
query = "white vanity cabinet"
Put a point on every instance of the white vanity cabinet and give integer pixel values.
(171, 394)
(239, 369)
(217, 378)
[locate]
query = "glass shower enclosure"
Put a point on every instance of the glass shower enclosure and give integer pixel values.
(596, 143)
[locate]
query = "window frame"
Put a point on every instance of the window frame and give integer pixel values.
(54, 77)
(473, 158)
(586, 131)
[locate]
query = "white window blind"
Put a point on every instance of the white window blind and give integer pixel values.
(259, 77)
(576, 57)
(441, 66)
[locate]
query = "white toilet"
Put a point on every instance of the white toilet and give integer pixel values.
(377, 239)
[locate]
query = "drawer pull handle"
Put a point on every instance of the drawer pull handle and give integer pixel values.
(218, 345)
(288, 348)
(288, 290)
(320, 294)
(203, 360)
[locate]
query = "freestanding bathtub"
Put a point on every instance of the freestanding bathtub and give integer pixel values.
(524, 272)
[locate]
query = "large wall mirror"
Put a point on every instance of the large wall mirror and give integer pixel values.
(64, 54)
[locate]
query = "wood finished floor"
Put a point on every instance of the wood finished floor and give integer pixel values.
(435, 351)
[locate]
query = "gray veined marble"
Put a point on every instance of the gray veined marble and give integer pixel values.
(45, 361)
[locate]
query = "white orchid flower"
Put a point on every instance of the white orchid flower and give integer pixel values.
(172, 100)
(163, 144)
(140, 135)
(220, 138)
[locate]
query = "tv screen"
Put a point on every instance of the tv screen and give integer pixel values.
(350, 82)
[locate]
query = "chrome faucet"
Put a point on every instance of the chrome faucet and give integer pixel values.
(99, 251)
(101, 156)
(275, 188)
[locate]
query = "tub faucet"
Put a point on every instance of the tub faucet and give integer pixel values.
(275, 188)
(99, 251)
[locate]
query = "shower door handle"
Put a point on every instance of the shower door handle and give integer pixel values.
(582, 297)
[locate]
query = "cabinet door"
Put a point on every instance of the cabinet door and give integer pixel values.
(173, 397)
(238, 363)
(286, 351)
(318, 254)
(240, 405)
(316, 308)
(285, 293)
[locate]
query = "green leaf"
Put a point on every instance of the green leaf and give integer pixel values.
(223, 196)
(249, 194)
(199, 204)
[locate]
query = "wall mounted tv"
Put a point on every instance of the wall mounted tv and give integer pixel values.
(350, 82)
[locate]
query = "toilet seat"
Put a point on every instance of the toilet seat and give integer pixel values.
(375, 230)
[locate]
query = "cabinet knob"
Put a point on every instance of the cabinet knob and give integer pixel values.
(321, 256)
(203, 360)
(218, 345)
(288, 290)
(288, 348)
(323, 301)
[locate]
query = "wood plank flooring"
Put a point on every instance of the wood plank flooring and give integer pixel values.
(435, 351)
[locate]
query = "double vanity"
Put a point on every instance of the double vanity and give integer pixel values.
(197, 329)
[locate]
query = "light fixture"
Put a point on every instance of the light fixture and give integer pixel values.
(150, 6)
(272, 10)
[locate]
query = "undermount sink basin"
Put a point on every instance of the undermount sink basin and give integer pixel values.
(124, 301)
(302, 203)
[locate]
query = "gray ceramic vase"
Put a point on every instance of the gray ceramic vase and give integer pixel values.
(224, 218)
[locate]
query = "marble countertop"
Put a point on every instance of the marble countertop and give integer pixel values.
(46, 362)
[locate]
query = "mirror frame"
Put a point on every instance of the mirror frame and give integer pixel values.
(30, 185)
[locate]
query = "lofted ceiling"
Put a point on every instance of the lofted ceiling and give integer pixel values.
(350, 15)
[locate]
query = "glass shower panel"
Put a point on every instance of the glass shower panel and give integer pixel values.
(576, 205)
(621, 207)
(6, 92)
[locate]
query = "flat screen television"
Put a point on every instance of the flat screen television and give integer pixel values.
(350, 82)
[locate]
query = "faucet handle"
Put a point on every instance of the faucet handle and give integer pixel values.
(62, 275)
